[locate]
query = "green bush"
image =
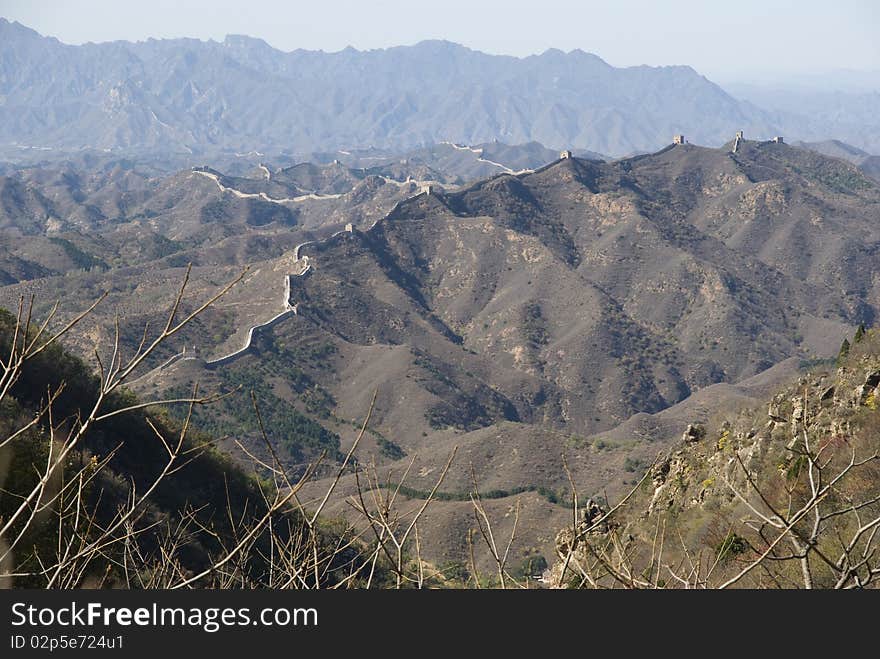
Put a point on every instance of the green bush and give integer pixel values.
(732, 545)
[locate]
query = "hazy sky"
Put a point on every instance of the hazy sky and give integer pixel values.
(746, 39)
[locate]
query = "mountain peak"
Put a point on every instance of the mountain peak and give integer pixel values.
(12, 29)
(577, 57)
(440, 46)
(584, 55)
(245, 41)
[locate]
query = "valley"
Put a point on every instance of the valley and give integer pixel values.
(572, 309)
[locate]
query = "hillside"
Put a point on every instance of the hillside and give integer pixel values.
(525, 280)
(870, 165)
(724, 499)
(836, 149)
(585, 308)
(77, 228)
(133, 498)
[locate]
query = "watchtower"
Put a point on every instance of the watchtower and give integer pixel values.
(678, 139)
(778, 139)
(427, 189)
(739, 138)
(564, 155)
(349, 227)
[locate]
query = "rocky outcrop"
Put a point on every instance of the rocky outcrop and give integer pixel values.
(869, 390)
(697, 488)
(695, 432)
(591, 522)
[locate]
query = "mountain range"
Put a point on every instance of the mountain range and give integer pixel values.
(241, 95)
(824, 108)
(572, 306)
(504, 256)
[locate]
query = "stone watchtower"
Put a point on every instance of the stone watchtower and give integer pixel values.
(564, 155)
(778, 139)
(678, 139)
(739, 138)
(349, 227)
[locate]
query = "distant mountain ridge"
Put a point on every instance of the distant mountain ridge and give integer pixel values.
(242, 94)
(833, 110)
(869, 164)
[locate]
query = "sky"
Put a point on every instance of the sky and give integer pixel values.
(743, 40)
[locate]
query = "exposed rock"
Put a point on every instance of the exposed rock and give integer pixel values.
(661, 471)
(695, 432)
(589, 514)
(669, 478)
(870, 388)
(840, 428)
(773, 413)
(862, 393)
(695, 488)
(798, 409)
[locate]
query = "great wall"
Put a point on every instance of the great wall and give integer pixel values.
(263, 195)
(479, 153)
(424, 187)
(288, 309)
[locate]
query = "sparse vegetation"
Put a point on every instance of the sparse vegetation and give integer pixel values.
(297, 433)
(635, 465)
(80, 258)
(551, 495)
(843, 353)
(99, 491)
(389, 449)
(732, 545)
(799, 508)
(533, 323)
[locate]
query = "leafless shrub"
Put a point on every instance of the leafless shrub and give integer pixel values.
(825, 520)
